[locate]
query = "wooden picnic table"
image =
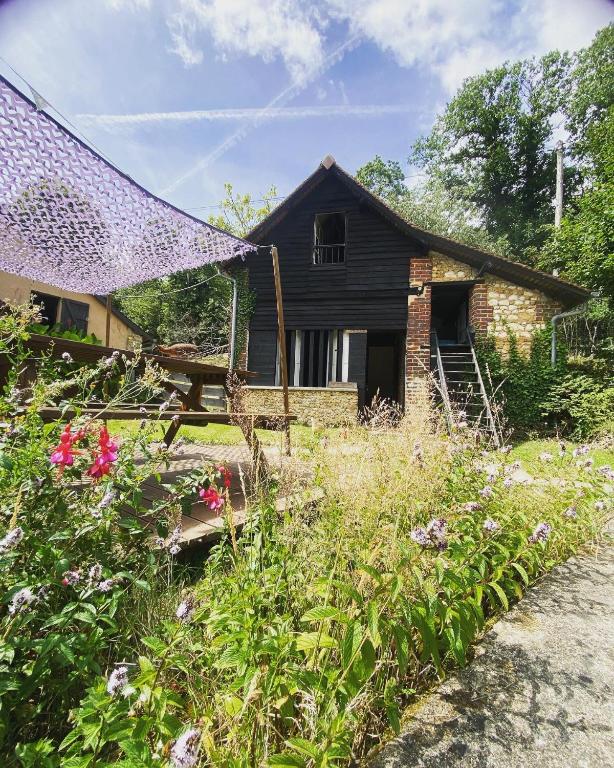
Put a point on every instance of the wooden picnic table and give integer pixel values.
(191, 411)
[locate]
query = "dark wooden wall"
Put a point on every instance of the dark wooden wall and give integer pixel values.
(367, 292)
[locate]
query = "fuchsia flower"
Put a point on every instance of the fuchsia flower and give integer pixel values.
(211, 497)
(105, 456)
(226, 475)
(63, 455)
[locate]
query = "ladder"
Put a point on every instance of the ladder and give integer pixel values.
(461, 388)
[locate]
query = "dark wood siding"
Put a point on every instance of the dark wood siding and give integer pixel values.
(369, 291)
(262, 356)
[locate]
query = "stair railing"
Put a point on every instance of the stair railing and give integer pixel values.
(443, 385)
(489, 415)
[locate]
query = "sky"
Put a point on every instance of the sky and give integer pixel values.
(185, 95)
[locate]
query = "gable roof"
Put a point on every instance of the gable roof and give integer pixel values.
(125, 319)
(569, 293)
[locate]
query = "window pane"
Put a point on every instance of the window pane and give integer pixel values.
(74, 315)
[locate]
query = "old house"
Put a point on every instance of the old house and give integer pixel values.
(81, 312)
(373, 303)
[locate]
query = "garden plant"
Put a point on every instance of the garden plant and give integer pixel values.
(296, 644)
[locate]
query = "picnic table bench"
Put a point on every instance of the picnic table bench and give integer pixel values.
(189, 410)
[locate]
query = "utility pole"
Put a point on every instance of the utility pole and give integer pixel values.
(558, 205)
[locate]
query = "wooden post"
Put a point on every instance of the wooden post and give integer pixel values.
(108, 329)
(281, 335)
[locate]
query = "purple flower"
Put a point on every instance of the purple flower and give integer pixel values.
(541, 533)
(486, 492)
(176, 418)
(184, 753)
(159, 542)
(164, 406)
(20, 600)
(508, 482)
(66, 357)
(571, 512)
(582, 450)
(11, 540)
(185, 610)
(545, 456)
(143, 410)
(175, 549)
(472, 506)
(491, 525)
(600, 505)
(511, 468)
(118, 680)
(106, 585)
(71, 578)
(420, 536)
(95, 572)
(505, 449)
(107, 499)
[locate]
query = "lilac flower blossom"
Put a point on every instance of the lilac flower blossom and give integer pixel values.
(571, 512)
(508, 482)
(107, 499)
(600, 505)
(95, 572)
(420, 536)
(164, 406)
(505, 449)
(184, 753)
(546, 456)
(472, 506)
(118, 681)
(143, 410)
(71, 578)
(541, 533)
(159, 541)
(106, 585)
(486, 492)
(185, 610)
(511, 468)
(491, 525)
(11, 540)
(66, 357)
(175, 549)
(20, 600)
(580, 451)
(176, 418)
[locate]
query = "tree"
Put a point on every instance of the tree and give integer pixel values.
(492, 148)
(385, 178)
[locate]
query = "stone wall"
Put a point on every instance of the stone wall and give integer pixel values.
(497, 304)
(317, 406)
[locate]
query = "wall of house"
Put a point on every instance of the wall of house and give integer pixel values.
(18, 290)
(332, 406)
(495, 305)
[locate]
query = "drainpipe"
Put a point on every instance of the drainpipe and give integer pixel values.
(233, 317)
(555, 319)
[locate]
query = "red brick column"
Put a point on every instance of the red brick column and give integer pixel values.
(480, 313)
(418, 343)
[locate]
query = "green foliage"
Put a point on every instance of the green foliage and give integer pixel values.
(299, 641)
(62, 333)
(491, 147)
(383, 178)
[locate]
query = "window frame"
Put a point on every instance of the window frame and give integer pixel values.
(314, 245)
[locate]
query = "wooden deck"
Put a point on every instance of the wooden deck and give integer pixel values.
(201, 524)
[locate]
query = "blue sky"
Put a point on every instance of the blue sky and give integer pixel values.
(186, 94)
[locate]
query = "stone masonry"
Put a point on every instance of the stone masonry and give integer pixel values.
(496, 306)
(317, 406)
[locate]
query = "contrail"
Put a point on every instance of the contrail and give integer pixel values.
(261, 115)
(273, 113)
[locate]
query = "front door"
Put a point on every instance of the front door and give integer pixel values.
(382, 366)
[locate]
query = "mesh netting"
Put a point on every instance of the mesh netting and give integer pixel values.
(69, 218)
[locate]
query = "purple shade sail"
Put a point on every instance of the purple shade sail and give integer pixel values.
(70, 219)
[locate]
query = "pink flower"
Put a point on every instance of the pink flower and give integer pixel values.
(105, 456)
(211, 497)
(226, 475)
(63, 454)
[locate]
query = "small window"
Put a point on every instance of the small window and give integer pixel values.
(74, 315)
(329, 238)
(49, 306)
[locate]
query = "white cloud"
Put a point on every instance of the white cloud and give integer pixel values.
(131, 5)
(273, 113)
(265, 28)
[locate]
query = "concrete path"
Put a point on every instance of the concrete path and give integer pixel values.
(540, 691)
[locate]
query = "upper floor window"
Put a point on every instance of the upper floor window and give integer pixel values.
(329, 238)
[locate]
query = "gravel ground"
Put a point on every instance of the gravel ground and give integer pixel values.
(540, 691)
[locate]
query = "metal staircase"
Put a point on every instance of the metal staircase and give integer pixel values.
(461, 388)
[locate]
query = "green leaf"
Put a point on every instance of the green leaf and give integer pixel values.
(523, 574)
(286, 760)
(321, 612)
(351, 641)
(304, 747)
(373, 623)
(307, 641)
(500, 594)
